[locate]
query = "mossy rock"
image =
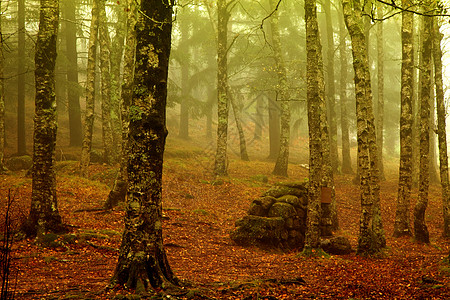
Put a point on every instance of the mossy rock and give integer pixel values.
(283, 210)
(255, 230)
(300, 185)
(261, 206)
(18, 163)
(280, 190)
(260, 178)
(337, 245)
(290, 199)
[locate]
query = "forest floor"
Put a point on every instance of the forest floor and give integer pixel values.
(200, 211)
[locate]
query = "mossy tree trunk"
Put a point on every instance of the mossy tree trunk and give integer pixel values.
(21, 81)
(73, 92)
(90, 91)
(442, 132)
(420, 229)
(371, 236)
(44, 215)
(402, 218)
(221, 161)
(281, 165)
(314, 118)
(343, 94)
(119, 190)
(380, 93)
(109, 151)
(142, 262)
(2, 103)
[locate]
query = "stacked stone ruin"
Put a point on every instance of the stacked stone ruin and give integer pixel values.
(278, 220)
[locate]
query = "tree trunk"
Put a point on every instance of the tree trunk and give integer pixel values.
(142, 262)
(185, 99)
(314, 118)
(331, 89)
(259, 120)
(44, 216)
(21, 87)
(380, 94)
(433, 158)
(346, 158)
(401, 225)
(281, 165)
(2, 104)
(420, 229)
(109, 151)
(90, 91)
(237, 118)
(73, 94)
(119, 190)
(442, 133)
(371, 238)
(274, 127)
(221, 162)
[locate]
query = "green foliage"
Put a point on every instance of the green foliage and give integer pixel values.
(135, 113)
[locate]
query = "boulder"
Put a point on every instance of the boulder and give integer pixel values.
(17, 163)
(283, 210)
(336, 245)
(290, 199)
(255, 230)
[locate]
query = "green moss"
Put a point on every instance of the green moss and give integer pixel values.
(314, 252)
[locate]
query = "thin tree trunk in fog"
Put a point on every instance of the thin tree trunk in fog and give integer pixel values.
(402, 218)
(312, 237)
(73, 94)
(109, 151)
(2, 103)
(331, 89)
(21, 87)
(416, 104)
(380, 105)
(142, 263)
(221, 161)
(44, 215)
(442, 133)
(90, 92)
(420, 229)
(343, 95)
(184, 104)
(281, 165)
(117, 53)
(433, 158)
(371, 237)
(119, 190)
(274, 127)
(237, 118)
(259, 120)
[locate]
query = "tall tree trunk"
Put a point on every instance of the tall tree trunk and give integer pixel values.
(117, 53)
(237, 118)
(2, 103)
(346, 158)
(281, 165)
(119, 190)
(44, 215)
(420, 229)
(442, 133)
(401, 225)
(371, 237)
(73, 94)
(380, 94)
(90, 91)
(221, 161)
(109, 151)
(331, 89)
(142, 262)
(21, 87)
(274, 127)
(314, 119)
(433, 158)
(259, 120)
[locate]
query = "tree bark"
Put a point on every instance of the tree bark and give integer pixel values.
(371, 237)
(281, 165)
(346, 158)
(142, 262)
(44, 215)
(90, 91)
(380, 94)
(21, 87)
(331, 89)
(420, 229)
(221, 161)
(73, 94)
(237, 118)
(185, 99)
(442, 133)
(402, 218)
(2, 104)
(109, 151)
(119, 190)
(273, 108)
